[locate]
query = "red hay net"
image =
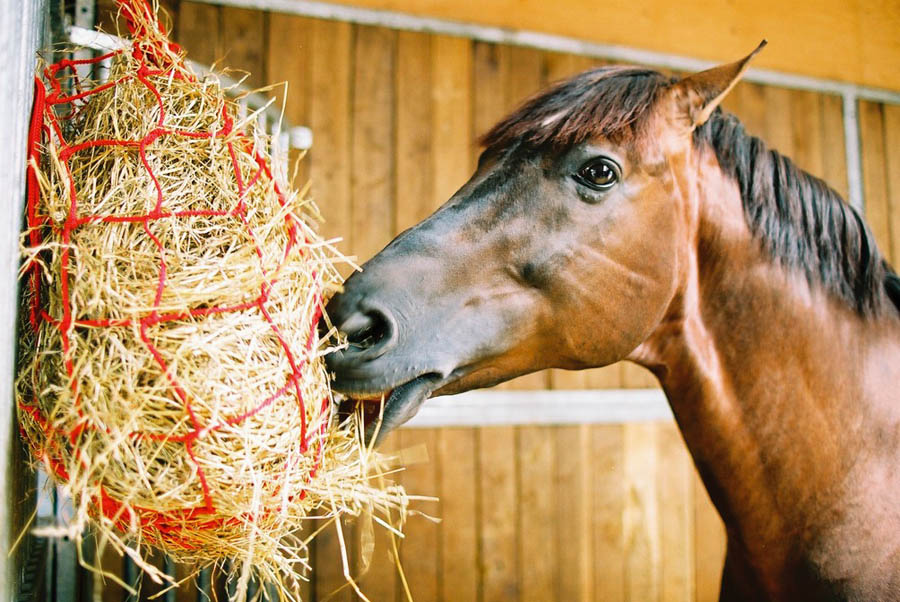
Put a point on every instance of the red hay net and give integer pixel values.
(53, 106)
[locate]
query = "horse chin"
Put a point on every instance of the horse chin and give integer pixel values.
(399, 405)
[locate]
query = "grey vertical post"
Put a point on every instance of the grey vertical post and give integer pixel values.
(853, 152)
(21, 24)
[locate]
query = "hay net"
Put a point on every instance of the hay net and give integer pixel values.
(170, 373)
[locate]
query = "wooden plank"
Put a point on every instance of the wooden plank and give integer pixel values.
(328, 579)
(777, 131)
(608, 493)
(288, 61)
(748, 102)
(378, 576)
(372, 181)
(420, 549)
(568, 380)
(871, 129)
(574, 513)
(559, 66)
(892, 166)
(641, 522)
(607, 377)
(243, 38)
(452, 99)
(498, 492)
(490, 72)
(800, 38)
(676, 509)
(806, 131)
(457, 457)
(538, 498)
(415, 164)
(198, 31)
(834, 159)
(525, 75)
(330, 119)
(636, 377)
(709, 546)
(328, 570)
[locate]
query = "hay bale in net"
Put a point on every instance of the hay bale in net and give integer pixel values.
(171, 374)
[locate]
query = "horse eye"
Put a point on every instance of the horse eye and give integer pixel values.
(599, 174)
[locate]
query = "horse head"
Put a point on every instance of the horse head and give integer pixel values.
(564, 249)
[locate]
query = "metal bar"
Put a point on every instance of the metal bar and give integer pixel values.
(496, 408)
(544, 41)
(171, 593)
(84, 17)
(204, 585)
(132, 576)
(22, 25)
(853, 153)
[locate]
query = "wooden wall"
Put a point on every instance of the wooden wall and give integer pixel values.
(574, 513)
(848, 41)
(879, 126)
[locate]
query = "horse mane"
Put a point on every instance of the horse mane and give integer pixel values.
(800, 220)
(797, 217)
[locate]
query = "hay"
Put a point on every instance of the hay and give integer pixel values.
(171, 374)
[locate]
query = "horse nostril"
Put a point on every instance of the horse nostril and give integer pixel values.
(366, 330)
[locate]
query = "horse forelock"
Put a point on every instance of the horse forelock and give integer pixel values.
(801, 221)
(610, 102)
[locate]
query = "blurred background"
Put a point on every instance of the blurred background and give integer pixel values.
(569, 486)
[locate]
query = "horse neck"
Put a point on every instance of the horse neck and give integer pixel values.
(770, 378)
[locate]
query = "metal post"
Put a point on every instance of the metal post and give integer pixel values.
(852, 152)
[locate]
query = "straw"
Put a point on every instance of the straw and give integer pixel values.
(171, 375)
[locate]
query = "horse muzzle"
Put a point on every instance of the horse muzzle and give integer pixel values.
(373, 368)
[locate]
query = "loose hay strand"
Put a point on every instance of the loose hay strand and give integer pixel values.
(171, 375)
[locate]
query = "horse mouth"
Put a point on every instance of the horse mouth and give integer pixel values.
(384, 411)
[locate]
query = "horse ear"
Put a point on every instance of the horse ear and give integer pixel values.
(699, 94)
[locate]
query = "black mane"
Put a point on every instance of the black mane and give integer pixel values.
(799, 219)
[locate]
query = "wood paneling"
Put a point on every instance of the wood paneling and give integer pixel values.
(802, 35)
(498, 519)
(538, 547)
(574, 512)
(608, 511)
(892, 162)
(243, 36)
(879, 127)
(420, 549)
(458, 457)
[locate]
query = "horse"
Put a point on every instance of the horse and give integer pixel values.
(622, 214)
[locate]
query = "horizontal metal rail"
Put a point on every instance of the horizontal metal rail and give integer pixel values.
(509, 408)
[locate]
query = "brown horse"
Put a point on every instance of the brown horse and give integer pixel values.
(622, 215)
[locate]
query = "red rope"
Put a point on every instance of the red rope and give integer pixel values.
(154, 53)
